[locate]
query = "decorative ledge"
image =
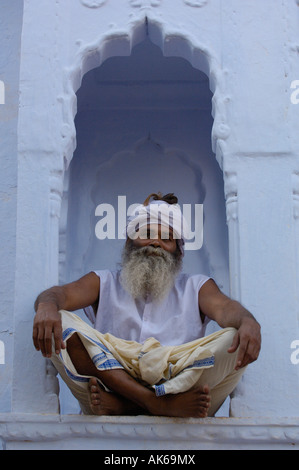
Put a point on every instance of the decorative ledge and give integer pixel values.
(31, 431)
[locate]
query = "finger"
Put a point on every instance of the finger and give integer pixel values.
(235, 344)
(58, 341)
(41, 343)
(247, 359)
(35, 338)
(242, 357)
(251, 354)
(48, 341)
(38, 335)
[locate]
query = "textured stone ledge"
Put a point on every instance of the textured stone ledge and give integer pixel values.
(22, 431)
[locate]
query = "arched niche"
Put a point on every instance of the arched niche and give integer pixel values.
(143, 122)
(143, 125)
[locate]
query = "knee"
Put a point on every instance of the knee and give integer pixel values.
(228, 335)
(76, 352)
(73, 342)
(223, 342)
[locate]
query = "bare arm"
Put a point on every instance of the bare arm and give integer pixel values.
(47, 321)
(230, 313)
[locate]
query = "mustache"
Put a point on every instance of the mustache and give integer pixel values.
(143, 251)
(150, 250)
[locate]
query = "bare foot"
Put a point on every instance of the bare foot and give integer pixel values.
(109, 403)
(193, 403)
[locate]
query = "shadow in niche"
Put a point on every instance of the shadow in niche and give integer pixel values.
(143, 125)
(147, 168)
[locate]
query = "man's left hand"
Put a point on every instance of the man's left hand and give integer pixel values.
(248, 339)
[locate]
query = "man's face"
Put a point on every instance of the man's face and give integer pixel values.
(150, 263)
(156, 236)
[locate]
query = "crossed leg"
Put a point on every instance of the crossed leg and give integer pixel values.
(128, 396)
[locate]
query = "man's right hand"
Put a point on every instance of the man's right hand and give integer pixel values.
(47, 322)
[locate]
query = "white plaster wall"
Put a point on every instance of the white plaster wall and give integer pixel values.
(10, 37)
(249, 50)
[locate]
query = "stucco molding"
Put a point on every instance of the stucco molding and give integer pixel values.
(93, 3)
(232, 218)
(145, 3)
(196, 3)
(230, 433)
(156, 3)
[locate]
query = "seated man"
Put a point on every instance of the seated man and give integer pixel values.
(147, 351)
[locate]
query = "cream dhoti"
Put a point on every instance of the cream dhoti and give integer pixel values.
(166, 369)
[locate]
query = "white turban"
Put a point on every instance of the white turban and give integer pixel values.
(162, 213)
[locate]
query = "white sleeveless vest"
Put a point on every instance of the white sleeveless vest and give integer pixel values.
(172, 321)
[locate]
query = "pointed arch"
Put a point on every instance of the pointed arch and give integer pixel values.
(172, 43)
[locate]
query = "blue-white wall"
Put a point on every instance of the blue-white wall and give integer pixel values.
(251, 49)
(11, 16)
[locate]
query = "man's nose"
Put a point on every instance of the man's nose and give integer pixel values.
(155, 242)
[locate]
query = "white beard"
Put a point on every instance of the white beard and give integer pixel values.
(149, 272)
